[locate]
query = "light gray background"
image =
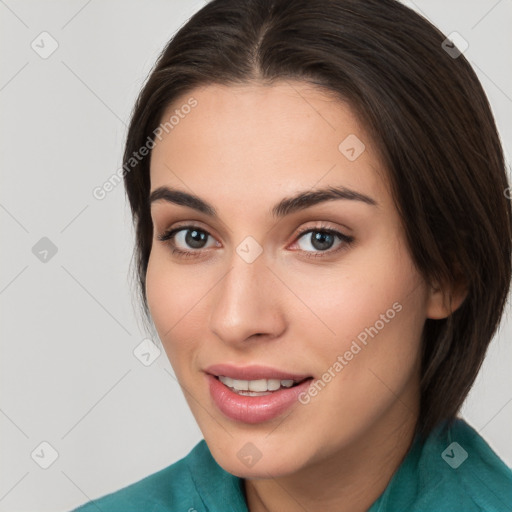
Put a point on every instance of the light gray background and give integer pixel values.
(68, 373)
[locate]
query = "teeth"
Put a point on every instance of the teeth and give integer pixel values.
(260, 385)
(257, 385)
(228, 381)
(242, 385)
(273, 384)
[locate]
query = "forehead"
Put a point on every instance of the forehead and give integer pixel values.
(264, 141)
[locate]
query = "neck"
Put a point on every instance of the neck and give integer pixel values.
(349, 480)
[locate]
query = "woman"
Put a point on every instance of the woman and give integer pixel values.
(323, 243)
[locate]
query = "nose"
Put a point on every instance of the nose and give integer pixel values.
(246, 305)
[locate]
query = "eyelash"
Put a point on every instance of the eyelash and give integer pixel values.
(167, 236)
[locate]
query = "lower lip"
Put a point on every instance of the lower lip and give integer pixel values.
(254, 409)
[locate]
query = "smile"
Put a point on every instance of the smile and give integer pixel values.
(254, 394)
(256, 387)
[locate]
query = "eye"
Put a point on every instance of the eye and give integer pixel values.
(321, 240)
(188, 241)
(184, 238)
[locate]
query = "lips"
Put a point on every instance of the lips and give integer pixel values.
(227, 385)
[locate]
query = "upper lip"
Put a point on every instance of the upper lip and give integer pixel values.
(253, 372)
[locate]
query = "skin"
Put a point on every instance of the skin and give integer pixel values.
(243, 149)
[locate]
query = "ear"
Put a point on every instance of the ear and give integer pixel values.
(439, 306)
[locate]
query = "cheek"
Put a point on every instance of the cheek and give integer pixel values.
(371, 312)
(173, 294)
(379, 355)
(353, 294)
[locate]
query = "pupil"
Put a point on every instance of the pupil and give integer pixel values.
(322, 240)
(195, 238)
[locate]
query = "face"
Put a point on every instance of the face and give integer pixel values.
(319, 294)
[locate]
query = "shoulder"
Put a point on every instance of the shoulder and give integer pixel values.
(184, 485)
(454, 469)
(481, 473)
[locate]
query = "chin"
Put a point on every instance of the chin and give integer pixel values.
(263, 469)
(259, 457)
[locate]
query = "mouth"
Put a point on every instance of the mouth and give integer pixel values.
(254, 394)
(258, 387)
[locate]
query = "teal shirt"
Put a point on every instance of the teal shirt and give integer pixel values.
(453, 472)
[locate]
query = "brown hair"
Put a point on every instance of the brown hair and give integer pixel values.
(428, 116)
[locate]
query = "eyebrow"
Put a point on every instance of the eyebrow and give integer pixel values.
(286, 206)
